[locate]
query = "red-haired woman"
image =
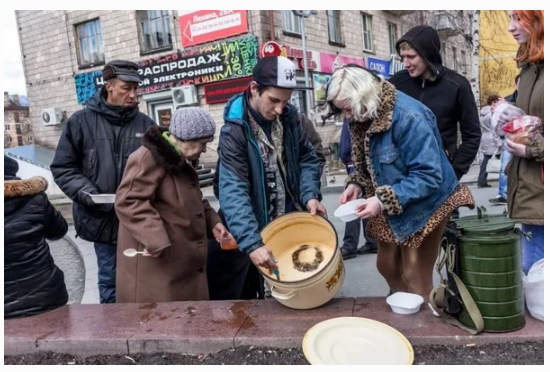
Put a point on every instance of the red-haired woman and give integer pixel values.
(526, 170)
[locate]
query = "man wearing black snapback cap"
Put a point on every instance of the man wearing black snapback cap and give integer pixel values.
(91, 157)
(267, 167)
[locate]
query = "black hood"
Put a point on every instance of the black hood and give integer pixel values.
(11, 167)
(425, 40)
(114, 114)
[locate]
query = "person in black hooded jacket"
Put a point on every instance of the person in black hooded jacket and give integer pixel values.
(91, 157)
(445, 92)
(33, 284)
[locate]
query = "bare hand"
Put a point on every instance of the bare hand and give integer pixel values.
(263, 257)
(369, 208)
(315, 207)
(516, 149)
(219, 231)
(351, 193)
(147, 254)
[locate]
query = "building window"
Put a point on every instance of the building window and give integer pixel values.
(30, 139)
(19, 140)
(16, 117)
(443, 46)
(334, 29)
(291, 22)
(367, 32)
(392, 29)
(155, 29)
(5, 116)
(455, 62)
(298, 100)
(463, 60)
(8, 139)
(90, 43)
(7, 127)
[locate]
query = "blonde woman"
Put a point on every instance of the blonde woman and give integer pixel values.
(401, 170)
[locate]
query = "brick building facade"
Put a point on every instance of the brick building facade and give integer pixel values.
(17, 124)
(60, 47)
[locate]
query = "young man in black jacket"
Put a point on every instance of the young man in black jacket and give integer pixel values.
(444, 91)
(91, 157)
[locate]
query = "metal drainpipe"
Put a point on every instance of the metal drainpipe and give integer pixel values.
(271, 26)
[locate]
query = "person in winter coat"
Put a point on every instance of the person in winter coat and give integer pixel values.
(33, 284)
(526, 169)
(315, 139)
(267, 167)
(490, 142)
(162, 212)
(90, 159)
(512, 98)
(409, 185)
(446, 93)
(353, 228)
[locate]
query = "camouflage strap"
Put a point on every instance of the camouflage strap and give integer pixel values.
(437, 296)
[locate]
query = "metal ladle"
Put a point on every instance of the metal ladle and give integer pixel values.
(131, 252)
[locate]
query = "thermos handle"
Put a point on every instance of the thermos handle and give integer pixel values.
(482, 213)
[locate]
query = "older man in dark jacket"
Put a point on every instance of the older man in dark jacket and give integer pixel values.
(91, 157)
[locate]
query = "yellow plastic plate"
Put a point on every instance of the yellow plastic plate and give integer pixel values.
(356, 341)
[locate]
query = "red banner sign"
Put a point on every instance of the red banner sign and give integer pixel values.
(222, 92)
(202, 26)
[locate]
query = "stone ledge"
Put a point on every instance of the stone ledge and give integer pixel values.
(206, 327)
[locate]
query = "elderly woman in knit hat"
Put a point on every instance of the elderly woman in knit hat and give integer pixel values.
(163, 215)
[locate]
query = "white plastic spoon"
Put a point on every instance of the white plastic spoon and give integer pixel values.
(131, 252)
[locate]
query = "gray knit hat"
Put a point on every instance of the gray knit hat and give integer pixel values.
(192, 123)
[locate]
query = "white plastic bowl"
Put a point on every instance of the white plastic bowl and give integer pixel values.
(103, 198)
(405, 303)
(346, 212)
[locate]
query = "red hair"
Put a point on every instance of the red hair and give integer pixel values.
(533, 22)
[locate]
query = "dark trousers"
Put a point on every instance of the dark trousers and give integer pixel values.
(482, 178)
(106, 272)
(231, 275)
(353, 229)
(352, 233)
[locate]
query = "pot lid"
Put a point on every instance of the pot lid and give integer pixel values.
(484, 223)
(356, 341)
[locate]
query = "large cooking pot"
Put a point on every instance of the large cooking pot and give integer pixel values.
(310, 264)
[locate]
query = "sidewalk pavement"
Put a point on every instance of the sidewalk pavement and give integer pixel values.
(87, 253)
(336, 180)
(210, 326)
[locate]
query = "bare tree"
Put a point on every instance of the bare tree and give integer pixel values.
(497, 52)
(474, 80)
